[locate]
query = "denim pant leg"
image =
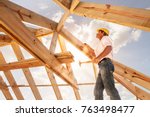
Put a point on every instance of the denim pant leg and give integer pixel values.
(99, 88)
(107, 69)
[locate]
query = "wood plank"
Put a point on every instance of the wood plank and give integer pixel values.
(77, 43)
(65, 57)
(49, 72)
(5, 90)
(4, 40)
(69, 68)
(62, 20)
(65, 4)
(66, 14)
(29, 16)
(25, 38)
(132, 17)
(27, 72)
(11, 80)
(49, 85)
(132, 75)
(74, 5)
(40, 32)
(53, 43)
(54, 84)
(141, 94)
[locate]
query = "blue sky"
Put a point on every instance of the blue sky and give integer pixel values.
(131, 45)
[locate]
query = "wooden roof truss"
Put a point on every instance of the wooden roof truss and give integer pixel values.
(17, 34)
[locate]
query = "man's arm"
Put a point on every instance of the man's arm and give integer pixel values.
(105, 52)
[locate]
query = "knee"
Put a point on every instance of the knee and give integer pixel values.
(98, 92)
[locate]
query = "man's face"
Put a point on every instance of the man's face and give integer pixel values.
(100, 34)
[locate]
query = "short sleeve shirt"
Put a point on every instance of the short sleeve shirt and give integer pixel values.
(101, 45)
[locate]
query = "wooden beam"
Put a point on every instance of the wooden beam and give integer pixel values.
(11, 80)
(29, 16)
(74, 5)
(66, 14)
(69, 68)
(5, 90)
(62, 20)
(5, 40)
(141, 94)
(77, 43)
(65, 57)
(53, 43)
(65, 4)
(49, 72)
(49, 85)
(40, 32)
(132, 75)
(132, 17)
(27, 72)
(17, 31)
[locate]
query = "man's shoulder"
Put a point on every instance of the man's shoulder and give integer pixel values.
(106, 38)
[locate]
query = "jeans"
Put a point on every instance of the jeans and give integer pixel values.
(105, 80)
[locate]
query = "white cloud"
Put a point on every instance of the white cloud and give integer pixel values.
(57, 16)
(148, 8)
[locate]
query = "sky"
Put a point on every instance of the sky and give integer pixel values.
(131, 46)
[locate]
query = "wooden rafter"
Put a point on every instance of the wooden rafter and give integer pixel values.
(74, 5)
(68, 65)
(6, 40)
(66, 14)
(5, 90)
(29, 16)
(25, 38)
(49, 72)
(40, 32)
(11, 80)
(132, 75)
(65, 57)
(141, 94)
(63, 46)
(27, 72)
(65, 4)
(62, 20)
(49, 85)
(77, 43)
(133, 17)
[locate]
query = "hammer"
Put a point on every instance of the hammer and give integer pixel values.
(83, 62)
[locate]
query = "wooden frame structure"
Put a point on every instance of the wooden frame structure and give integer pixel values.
(17, 34)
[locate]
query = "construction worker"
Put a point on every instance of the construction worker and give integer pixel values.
(105, 79)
